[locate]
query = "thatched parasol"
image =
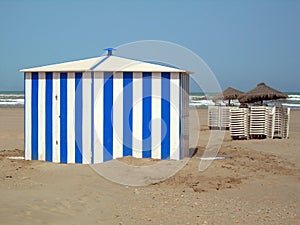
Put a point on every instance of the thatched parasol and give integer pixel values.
(228, 94)
(260, 93)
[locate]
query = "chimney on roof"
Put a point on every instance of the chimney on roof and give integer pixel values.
(109, 51)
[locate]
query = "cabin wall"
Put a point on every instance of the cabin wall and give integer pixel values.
(185, 90)
(93, 117)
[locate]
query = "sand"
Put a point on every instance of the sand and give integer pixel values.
(260, 184)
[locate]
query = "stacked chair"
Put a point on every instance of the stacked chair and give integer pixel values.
(281, 122)
(286, 122)
(219, 117)
(262, 120)
(252, 122)
(224, 117)
(270, 124)
(258, 122)
(239, 123)
(213, 117)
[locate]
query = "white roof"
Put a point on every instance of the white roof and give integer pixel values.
(105, 63)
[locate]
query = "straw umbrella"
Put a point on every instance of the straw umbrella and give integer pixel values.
(229, 94)
(259, 93)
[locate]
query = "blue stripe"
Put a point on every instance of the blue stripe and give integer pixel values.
(97, 64)
(107, 116)
(34, 115)
(146, 129)
(92, 118)
(63, 118)
(165, 115)
(127, 113)
(78, 117)
(49, 96)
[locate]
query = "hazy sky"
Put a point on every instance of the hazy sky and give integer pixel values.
(243, 42)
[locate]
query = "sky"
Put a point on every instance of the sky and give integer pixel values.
(243, 42)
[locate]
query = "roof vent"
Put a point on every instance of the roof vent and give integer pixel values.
(109, 51)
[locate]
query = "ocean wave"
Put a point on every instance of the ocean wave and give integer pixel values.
(11, 104)
(197, 98)
(291, 105)
(293, 99)
(202, 103)
(11, 97)
(294, 96)
(12, 100)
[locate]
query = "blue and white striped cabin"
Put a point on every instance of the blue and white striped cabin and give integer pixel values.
(98, 109)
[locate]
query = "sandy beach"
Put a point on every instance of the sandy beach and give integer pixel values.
(258, 185)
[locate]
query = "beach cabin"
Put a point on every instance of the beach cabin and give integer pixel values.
(98, 109)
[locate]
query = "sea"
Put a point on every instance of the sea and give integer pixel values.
(200, 100)
(197, 100)
(11, 99)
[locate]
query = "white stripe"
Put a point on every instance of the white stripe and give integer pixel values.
(174, 116)
(98, 117)
(55, 118)
(137, 119)
(71, 117)
(118, 115)
(156, 116)
(86, 118)
(41, 116)
(28, 92)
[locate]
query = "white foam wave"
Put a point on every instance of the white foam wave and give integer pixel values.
(11, 95)
(294, 96)
(290, 105)
(293, 99)
(11, 103)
